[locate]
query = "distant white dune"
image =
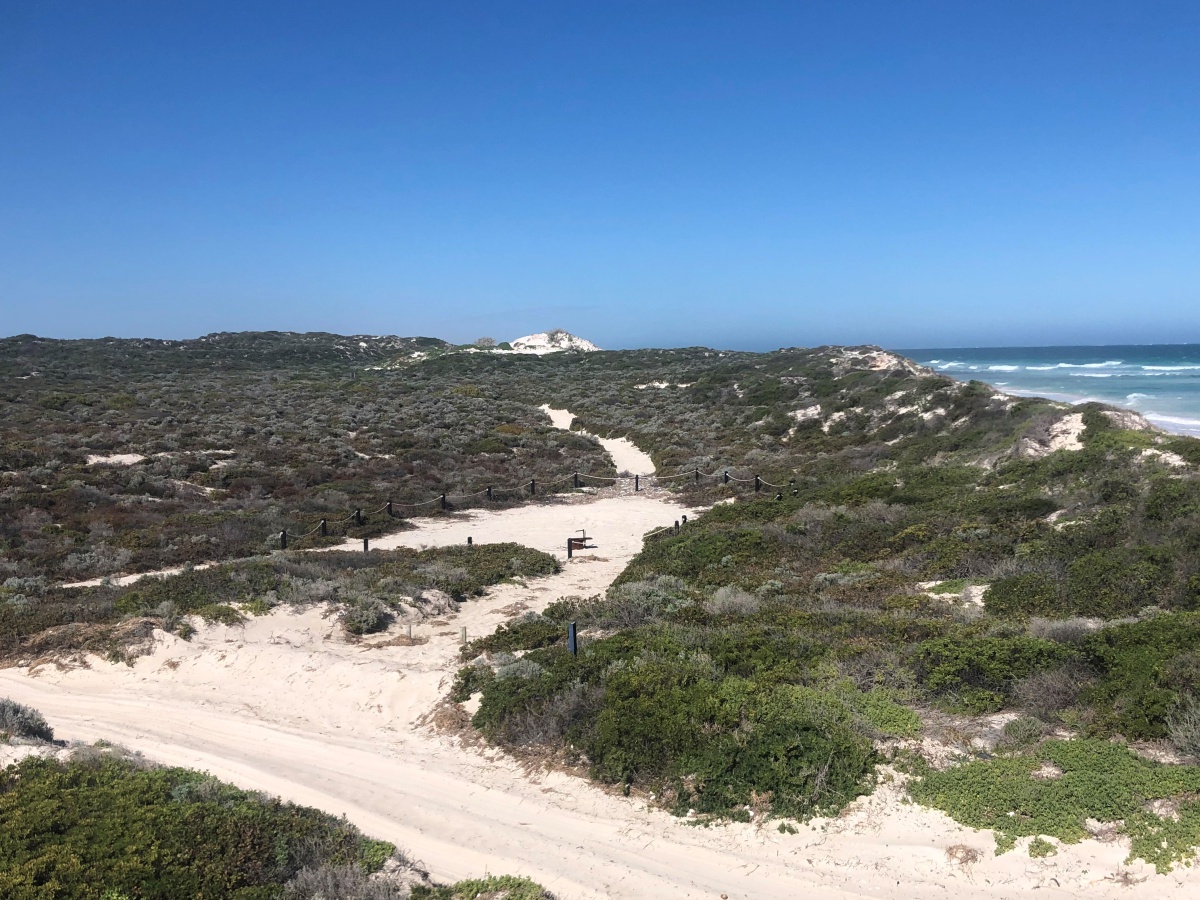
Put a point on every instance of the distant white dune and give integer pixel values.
(556, 341)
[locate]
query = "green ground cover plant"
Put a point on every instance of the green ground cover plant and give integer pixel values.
(1053, 789)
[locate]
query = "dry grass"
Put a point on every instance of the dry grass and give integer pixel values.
(400, 640)
(963, 855)
(68, 646)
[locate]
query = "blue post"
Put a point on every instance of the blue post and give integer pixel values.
(572, 640)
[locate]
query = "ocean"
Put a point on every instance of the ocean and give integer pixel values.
(1161, 381)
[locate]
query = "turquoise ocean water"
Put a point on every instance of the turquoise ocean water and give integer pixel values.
(1161, 381)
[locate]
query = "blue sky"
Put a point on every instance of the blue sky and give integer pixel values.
(745, 174)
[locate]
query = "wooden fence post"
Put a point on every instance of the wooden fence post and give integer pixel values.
(283, 539)
(324, 528)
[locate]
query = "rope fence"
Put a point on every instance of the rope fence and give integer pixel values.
(358, 517)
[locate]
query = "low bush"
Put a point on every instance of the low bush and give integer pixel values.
(74, 829)
(507, 886)
(1132, 692)
(1183, 725)
(979, 674)
(17, 720)
(1023, 595)
(365, 615)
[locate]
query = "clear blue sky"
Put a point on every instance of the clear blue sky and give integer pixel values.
(737, 174)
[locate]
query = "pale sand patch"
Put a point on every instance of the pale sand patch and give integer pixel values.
(116, 459)
(285, 704)
(625, 453)
(123, 580)
(1064, 434)
(1166, 457)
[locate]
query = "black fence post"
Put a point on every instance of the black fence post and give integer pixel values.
(324, 528)
(757, 484)
(470, 541)
(677, 526)
(684, 519)
(389, 509)
(532, 486)
(283, 539)
(637, 483)
(572, 639)
(570, 548)
(443, 499)
(577, 479)
(358, 517)
(489, 494)
(697, 476)
(779, 496)
(727, 476)
(366, 545)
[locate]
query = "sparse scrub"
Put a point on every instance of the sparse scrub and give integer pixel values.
(17, 720)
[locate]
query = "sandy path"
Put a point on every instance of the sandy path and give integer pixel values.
(624, 452)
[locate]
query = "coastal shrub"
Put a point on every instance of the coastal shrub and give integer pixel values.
(1183, 725)
(365, 615)
(17, 720)
(1046, 695)
(220, 613)
(979, 673)
(1117, 582)
(731, 600)
(1023, 595)
(530, 632)
(342, 882)
(1131, 693)
(805, 751)
(1062, 631)
(1055, 788)
(1023, 731)
(508, 887)
(102, 821)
